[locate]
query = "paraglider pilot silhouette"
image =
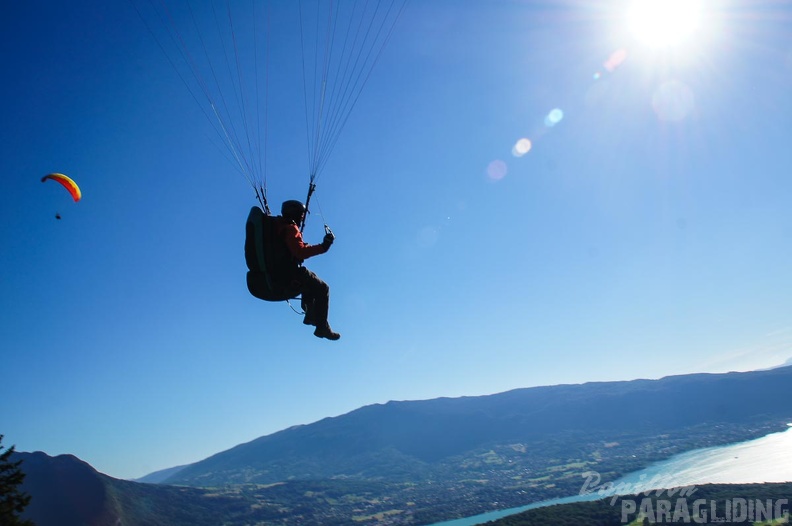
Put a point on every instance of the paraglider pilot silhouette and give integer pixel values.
(275, 251)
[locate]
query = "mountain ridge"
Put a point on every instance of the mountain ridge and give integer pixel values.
(420, 462)
(159, 476)
(424, 432)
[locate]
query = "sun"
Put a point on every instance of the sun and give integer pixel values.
(664, 23)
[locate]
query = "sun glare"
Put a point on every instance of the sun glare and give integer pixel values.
(663, 23)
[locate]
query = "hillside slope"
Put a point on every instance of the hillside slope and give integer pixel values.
(402, 441)
(65, 491)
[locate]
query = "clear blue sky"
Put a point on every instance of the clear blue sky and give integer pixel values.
(647, 232)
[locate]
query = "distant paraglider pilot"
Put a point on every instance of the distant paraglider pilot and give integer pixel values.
(315, 292)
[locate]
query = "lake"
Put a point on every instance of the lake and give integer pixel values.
(766, 459)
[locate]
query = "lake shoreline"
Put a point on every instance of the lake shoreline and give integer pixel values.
(711, 465)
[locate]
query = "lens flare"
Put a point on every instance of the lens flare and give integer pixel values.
(428, 236)
(521, 147)
(497, 170)
(615, 60)
(554, 117)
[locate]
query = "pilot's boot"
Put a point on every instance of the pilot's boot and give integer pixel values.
(324, 331)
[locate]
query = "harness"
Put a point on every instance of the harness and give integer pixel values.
(268, 259)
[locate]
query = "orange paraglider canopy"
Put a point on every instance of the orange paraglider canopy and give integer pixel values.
(67, 183)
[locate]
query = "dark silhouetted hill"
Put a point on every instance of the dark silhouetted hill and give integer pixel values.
(65, 491)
